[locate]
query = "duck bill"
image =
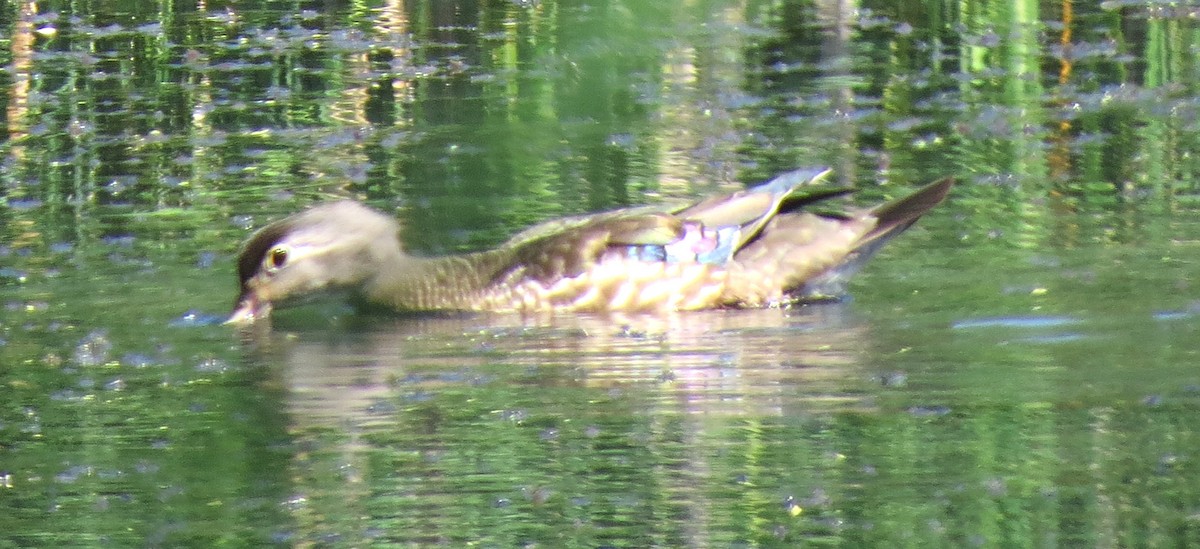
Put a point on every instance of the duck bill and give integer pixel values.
(249, 309)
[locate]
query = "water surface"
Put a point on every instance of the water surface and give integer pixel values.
(1016, 370)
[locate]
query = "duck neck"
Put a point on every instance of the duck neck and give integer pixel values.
(408, 283)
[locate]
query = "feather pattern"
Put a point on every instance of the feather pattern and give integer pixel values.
(752, 248)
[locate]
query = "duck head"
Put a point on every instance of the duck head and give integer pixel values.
(331, 247)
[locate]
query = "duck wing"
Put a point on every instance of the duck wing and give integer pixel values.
(709, 231)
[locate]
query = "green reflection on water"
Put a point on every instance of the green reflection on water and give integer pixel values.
(143, 141)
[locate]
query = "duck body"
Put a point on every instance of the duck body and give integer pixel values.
(757, 247)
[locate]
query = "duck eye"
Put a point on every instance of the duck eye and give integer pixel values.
(277, 258)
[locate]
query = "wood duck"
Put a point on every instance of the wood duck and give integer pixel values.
(764, 246)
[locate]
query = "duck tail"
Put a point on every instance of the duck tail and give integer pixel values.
(896, 216)
(892, 218)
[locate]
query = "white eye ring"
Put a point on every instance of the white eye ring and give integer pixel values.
(276, 259)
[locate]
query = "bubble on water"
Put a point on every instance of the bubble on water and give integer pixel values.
(205, 260)
(24, 203)
(13, 274)
(72, 474)
(193, 318)
(137, 360)
(93, 349)
(212, 365)
(123, 241)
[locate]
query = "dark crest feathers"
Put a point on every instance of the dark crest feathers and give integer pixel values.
(257, 248)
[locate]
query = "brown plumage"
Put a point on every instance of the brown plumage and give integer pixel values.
(753, 248)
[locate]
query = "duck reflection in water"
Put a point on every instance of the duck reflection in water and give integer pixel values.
(463, 412)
